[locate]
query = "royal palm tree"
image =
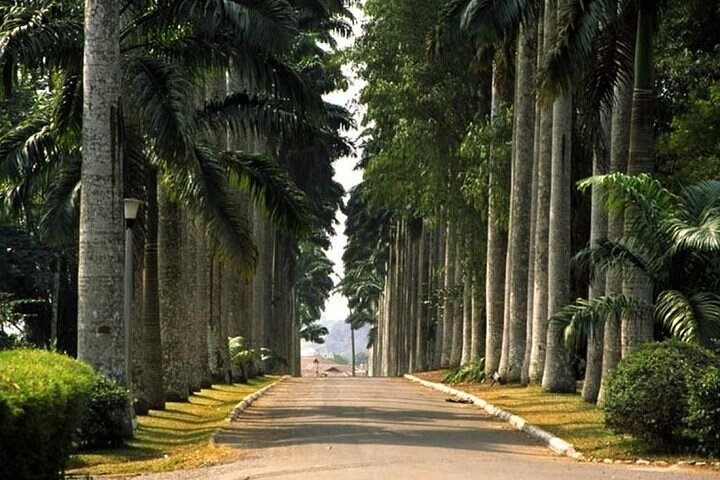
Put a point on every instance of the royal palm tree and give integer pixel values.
(159, 71)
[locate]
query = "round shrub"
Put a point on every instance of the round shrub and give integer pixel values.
(703, 419)
(647, 393)
(107, 422)
(43, 397)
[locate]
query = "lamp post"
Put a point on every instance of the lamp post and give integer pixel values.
(132, 205)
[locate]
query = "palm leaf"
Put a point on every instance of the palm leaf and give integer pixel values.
(271, 188)
(242, 112)
(202, 188)
(251, 22)
(578, 319)
(693, 318)
(60, 221)
(489, 20)
(695, 224)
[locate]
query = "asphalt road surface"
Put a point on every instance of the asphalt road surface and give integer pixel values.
(391, 429)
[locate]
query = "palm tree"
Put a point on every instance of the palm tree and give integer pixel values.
(605, 26)
(159, 69)
(673, 240)
(101, 333)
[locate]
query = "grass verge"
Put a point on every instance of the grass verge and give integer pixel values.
(174, 438)
(566, 416)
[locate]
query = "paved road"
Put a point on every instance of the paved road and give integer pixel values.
(389, 428)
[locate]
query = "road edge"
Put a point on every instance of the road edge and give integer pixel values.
(250, 399)
(556, 444)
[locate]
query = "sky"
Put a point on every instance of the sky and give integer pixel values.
(336, 310)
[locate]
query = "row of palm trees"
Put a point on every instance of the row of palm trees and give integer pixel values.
(211, 113)
(459, 284)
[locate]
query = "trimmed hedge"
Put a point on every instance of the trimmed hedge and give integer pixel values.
(664, 394)
(43, 397)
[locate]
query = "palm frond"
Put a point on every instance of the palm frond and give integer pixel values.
(588, 31)
(695, 224)
(62, 201)
(68, 108)
(583, 316)
(644, 202)
(202, 188)
(489, 20)
(693, 318)
(271, 188)
(243, 112)
(41, 34)
(160, 93)
(270, 23)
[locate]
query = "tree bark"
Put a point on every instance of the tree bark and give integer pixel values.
(152, 342)
(613, 280)
(173, 332)
(101, 333)
(519, 229)
(638, 330)
(558, 375)
(598, 231)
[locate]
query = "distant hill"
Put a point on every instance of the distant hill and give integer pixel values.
(338, 340)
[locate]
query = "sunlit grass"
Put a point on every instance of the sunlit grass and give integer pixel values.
(564, 415)
(175, 438)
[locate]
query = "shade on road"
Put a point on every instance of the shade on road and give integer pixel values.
(389, 428)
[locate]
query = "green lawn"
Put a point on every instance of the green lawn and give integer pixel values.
(174, 438)
(564, 415)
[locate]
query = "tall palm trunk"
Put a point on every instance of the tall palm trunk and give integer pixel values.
(519, 229)
(101, 333)
(558, 375)
(173, 331)
(423, 312)
(619, 131)
(456, 303)
(496, 240)
(538, 350)
(525, 377)
(438, 284)
(153, 368)
(447, 315)
(639, 329)
(598, 231)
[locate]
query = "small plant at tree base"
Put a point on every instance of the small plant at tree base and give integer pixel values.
(242, 357)
(648, 393)
(471, 372)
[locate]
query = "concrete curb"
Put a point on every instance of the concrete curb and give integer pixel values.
(248, 400)
(556, 444)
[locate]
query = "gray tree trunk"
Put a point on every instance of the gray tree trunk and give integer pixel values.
(496, 242)
(101, 333)
(152, 342)
(598, 231)
(542, 219)
(174, 334)
(456, 344)
(519, 229)
(619, 143)
(558, 375)
(447, 315)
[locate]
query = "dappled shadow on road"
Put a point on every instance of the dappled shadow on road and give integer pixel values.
(368, 411)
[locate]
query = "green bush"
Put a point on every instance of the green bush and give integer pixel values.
(107, 420)
(43, 397)
(471, 372)
(703, 419)
(647, 393)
